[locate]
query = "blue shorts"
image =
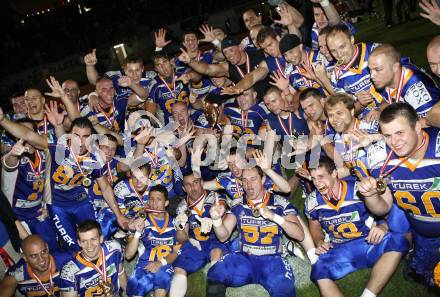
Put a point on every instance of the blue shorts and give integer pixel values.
(354, 255)
(426, 256)
(191, 259)
(141, 282)
(272, 272)
(107, 220)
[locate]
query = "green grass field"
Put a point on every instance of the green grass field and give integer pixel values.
(411, 40)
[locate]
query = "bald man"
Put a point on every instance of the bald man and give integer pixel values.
(433, 55)
(407, 83)
(37, 273)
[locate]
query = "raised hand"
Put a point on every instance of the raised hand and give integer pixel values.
(362, 138)
(125, 81)
(217, 210)
(18, 149)
(431, 11)
(184, 56)
(54, 85)
(279, 81)
(286, 16)
(180, 221)
(208, 33)
(90, 59)
(364, 98)
(320, 72)
(159, 38)
(205, 225)
(262, 161)
(93, 102)
(231, 90)
(367, 187)
(144, 135)
(55, 118)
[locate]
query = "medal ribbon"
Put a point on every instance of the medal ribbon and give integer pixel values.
(153, 156)
(351, 158)
(36, 167)
(399, 88)
(102, 272)
(280, 68)
(45, 126)
(238, 187)
(332, 195)
(173, 83)
(291, 129)
(259, 204)
(248, 67)
(77, 163)
(383, 174)
(51, 291)
(6, 257)
(156, 226)
(338, 69)
(197, 201)
(109, 173)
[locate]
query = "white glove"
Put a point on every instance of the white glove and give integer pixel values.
(195, 243)
(180, 222)
(205, 225)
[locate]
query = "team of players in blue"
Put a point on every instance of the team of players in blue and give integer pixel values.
(355, 121)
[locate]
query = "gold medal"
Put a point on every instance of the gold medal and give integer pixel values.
(142, 214)
(107, 288)
(86, 182)
(255, 212)
(381, 185)
(188, 213)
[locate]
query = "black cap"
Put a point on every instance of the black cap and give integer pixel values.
(288, 42)
(229, 41)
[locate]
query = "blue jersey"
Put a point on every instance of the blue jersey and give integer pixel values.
(113, 118)
(44, 127)
(289, 125)
(206, 57)
(355, 77)
(418, 90)
(197, 214)
(297, 79)
(145, 82)
(67, 177)
(110, 171)
(344, 219)
(162, 171)
(79, 275)
(247, 122)
(164, 95)
(258, 236)
(315, 33)
(130, 201)
(275, 64)
(414, 183)
(28, 286)
(29, 186)
(159, 239)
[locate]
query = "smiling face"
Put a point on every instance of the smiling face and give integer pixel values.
(83, 134)
(340, 117)
(191, 42)
(323, 49)
(34, 102)
(313, 108)
(341, 47)
(163, 67)
(109, 149)
(37, 256)
(250, 19)
(157, 200)
(106, 92)
(400, 136)
(274, 102)
(90, 243)
(232, 54)
(294, 55)
(134, 71)
(19, 104)
(180, 113)
(323, 180)
(253, 183)
(193, 187)
(247, 99)
(235, 165)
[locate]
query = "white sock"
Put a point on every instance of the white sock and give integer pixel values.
(178, 285)
(367, 293)
(313, 257)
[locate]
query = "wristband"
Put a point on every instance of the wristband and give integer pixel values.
(325, 3)
(137, 234)
(6, 165)
(164, 262)
(278, 219)
(158, 49)
(216, 43)
(217, 222)
(313, 257)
